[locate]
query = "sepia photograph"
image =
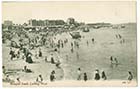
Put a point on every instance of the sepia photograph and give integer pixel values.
(69, 43)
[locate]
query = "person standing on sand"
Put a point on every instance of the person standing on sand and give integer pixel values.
(39, 78)
(62, 44)
(40, 53)
(18, 54)
(8, 79)
(52, 59)
(97, 75)
(116, 62)
(79, 74)
(72, 50)
(3, 69)
(52, 76)
(104, 75)
(119, 36)
(92, 40)
(12, 54)
(130, 76)
(26, 70)
(18, 79)
(29, 59)
(111, 58)
(85, 77)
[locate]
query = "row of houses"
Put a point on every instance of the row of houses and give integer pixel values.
(34, 22)
(99, 25)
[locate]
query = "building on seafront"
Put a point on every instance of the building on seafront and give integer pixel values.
(8, 23)
(70, 21)
(34, 22)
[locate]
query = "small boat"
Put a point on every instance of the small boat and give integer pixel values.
(85, 30)
(75, 35)
(122, 26)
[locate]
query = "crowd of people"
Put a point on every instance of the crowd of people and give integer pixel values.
(25, 53)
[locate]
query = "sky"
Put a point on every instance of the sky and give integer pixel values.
(84, 11)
